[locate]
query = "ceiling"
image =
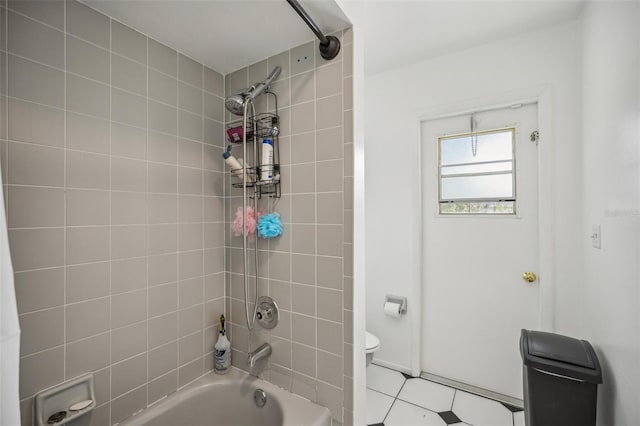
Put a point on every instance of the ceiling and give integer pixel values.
(418, 30)
(225, 34)
(230, 34)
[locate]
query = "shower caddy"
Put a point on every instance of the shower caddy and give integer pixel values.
(262, 126)
(264, 181)
(257, 127)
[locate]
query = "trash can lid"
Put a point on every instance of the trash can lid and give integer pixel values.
(561, 355)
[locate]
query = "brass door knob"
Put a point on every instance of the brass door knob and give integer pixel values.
(529, 276)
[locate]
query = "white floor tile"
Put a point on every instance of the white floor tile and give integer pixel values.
(377, 406)
(480, 411)
(518, 418)
(427, 394)
(403, 414)
(384, 380)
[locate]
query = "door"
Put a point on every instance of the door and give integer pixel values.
(478, 240)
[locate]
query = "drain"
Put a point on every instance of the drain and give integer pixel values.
(260, 397)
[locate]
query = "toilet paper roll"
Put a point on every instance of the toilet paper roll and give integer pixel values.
(392, 309)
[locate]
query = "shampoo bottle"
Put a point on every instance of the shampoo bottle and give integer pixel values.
(233, 163)
(237, 166)
(266, 171)
(223, 350)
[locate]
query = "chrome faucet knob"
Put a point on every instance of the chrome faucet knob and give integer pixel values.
(267, 312)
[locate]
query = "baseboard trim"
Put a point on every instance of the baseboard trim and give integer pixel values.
(386, 364)
(474, 389)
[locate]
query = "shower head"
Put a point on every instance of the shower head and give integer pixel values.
(235, 103)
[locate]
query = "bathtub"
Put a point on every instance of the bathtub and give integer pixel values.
(228, 400)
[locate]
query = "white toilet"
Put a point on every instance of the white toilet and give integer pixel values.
(372, 344)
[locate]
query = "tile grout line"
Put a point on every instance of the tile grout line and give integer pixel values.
(146, 136)
(177, 196)
(288, 83)
(110, 229)
(64, 197)
(203, 283)
(342, 296)
(314, 100)
(453, 400)
(394, 400)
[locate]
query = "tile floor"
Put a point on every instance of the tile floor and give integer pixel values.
(397, 399)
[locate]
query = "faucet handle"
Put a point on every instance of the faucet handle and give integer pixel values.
(267, 313)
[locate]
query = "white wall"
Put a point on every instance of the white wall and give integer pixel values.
(593, 66)
(548, 57)
(611, 181)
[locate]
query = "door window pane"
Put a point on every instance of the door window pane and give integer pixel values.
(477, 173)
(492, 146)
(477, 187)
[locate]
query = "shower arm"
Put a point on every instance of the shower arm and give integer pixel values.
(329, 45)
(259, 88)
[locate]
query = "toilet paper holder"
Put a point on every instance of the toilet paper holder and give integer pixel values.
(400, 300)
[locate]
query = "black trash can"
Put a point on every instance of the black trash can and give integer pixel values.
(561, 376)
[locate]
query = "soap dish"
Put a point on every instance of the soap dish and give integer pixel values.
(65, 402)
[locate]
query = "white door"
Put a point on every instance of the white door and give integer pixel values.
(475, 300)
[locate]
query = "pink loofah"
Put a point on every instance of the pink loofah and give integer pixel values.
(252, 222)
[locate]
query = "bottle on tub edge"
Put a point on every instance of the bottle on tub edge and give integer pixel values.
(222, 350)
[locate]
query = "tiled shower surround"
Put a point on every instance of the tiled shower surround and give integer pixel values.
(115, 209)
(115, 194)
(308, 270)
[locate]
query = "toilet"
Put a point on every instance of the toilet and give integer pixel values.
(372, 344)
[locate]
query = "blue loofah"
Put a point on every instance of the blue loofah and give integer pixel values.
(270, 225)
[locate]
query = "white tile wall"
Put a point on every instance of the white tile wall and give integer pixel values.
(306, 269)
(117, 138)
(106, 204)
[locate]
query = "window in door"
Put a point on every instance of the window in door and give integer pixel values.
(476, 173)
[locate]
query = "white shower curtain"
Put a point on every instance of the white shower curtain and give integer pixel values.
(9, 331)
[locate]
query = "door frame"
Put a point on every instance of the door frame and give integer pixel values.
(543, 96)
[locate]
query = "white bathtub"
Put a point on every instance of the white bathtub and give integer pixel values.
(227, 400)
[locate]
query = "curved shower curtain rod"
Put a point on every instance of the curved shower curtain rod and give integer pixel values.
(329, 45)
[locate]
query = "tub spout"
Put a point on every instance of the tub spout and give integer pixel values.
(262, 352)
